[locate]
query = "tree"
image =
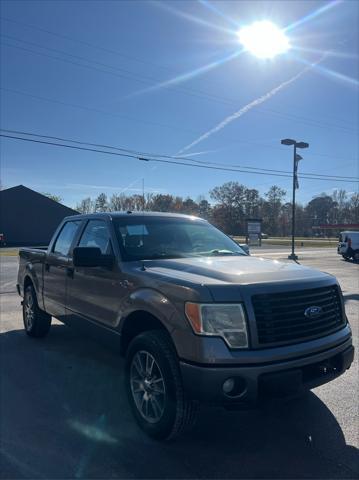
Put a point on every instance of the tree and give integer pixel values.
(233, 203)
(162, 203)
(85, 206)
(101, 204)
(322, 209)
(190, 207)
(204, 208)
(231, 200)
(353, 206)
(271, 210)
(55, 198)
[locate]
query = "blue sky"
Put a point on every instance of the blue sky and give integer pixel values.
(82, 70)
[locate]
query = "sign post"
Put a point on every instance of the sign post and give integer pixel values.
(254, 231)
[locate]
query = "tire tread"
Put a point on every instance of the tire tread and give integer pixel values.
(186, 409)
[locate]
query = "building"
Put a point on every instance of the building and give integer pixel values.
(333, 229)
(29, 218)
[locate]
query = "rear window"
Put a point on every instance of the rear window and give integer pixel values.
(65, 238)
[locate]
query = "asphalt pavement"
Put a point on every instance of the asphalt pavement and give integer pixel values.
(64, 413)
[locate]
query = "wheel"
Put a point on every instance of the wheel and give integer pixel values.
(356, 256)
(154, 387)
(36, 322)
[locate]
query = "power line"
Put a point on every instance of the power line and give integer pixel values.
(173, 157)
(83, 42)
(175, 162)
(108, 50)
(145, 79)
(148, 122)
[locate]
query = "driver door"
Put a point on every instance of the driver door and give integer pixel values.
(94, 293)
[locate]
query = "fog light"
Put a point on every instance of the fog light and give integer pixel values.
(228, 385)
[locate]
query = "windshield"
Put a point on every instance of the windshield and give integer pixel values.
(155, 237)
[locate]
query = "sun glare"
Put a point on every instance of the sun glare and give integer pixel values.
(263, 39)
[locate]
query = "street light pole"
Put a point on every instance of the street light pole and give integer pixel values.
(293, 256)
(296, 158)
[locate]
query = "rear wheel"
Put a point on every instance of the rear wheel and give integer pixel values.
(154, 387)
(36, 322)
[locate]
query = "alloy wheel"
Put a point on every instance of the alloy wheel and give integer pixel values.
(29, 311)
(147, 386)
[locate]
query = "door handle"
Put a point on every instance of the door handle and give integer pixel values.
(70, 272)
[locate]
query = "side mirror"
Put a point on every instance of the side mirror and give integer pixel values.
(91, 257)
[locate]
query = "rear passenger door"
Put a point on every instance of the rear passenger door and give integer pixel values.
(94, 292)
(56, 269)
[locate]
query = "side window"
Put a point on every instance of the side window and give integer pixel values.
(96, 234)
(64, 240)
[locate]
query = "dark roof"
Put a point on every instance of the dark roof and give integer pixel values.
(28, 217)
(25, 191)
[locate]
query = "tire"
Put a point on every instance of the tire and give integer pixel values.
(154, 387)
(356, 256)
(36, 322)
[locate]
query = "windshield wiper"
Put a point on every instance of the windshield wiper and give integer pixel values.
(223, 252)
(163, 255)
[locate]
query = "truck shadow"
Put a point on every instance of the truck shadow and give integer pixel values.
(65, 415)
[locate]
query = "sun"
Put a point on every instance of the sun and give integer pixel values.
(263, 39)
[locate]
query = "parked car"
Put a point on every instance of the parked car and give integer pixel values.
(348, 245)
(196, 318)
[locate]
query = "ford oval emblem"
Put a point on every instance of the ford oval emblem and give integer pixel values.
(312, 312)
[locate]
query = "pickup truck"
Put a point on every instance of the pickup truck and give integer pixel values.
(197, 319)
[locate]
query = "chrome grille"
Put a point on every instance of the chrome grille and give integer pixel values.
(280, 316)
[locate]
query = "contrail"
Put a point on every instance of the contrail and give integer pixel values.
(250, 105)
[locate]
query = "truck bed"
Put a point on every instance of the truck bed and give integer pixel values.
(32, 259)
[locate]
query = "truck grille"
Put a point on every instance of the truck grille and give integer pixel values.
(280, 316)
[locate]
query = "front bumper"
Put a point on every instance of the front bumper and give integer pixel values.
(254, 383)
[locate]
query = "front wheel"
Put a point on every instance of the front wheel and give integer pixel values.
(154, 387)
(36, 322)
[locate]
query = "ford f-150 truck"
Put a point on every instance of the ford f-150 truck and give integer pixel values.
(197, 319)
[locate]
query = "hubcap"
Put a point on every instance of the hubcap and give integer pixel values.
(147, 386)
(29, 313)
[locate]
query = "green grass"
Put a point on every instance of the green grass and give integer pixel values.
(299, 241)
(9, 252)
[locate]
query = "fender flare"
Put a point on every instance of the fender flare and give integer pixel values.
(154, 303)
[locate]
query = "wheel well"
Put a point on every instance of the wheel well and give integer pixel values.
(27, 282)
(136, 323)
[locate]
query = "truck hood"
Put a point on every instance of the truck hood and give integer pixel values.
(241, 270)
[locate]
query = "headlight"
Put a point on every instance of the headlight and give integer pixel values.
(226, 320)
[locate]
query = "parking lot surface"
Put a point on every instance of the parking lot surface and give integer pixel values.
(64, 413)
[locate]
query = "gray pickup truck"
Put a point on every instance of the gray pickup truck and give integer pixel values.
(197, 319)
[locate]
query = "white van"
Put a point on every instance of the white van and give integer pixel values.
(348, 245)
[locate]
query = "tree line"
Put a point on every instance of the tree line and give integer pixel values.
(232, 203)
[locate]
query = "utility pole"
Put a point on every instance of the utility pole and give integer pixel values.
(143, 194)
(296, 158)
